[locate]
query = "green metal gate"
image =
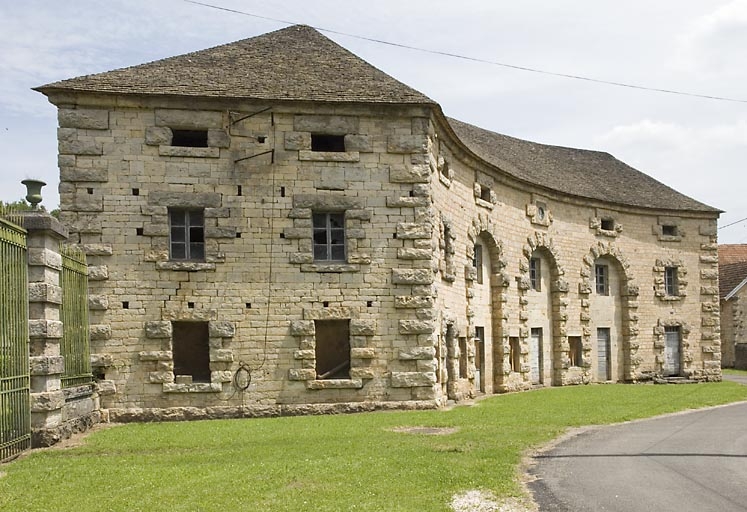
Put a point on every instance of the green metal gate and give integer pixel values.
(15, 408)
(74, 346)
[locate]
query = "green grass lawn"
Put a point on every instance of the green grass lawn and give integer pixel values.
(732, 371)
(327, 463)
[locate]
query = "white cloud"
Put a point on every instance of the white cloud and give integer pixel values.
(715, 42)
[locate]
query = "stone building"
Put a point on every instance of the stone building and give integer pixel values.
(274, 226)
(733, 295)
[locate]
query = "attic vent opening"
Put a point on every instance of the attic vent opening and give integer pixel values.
(331, 143)
(190, 138)
(485, 193)
(669, 230)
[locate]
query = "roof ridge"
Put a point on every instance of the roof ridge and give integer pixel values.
(263, 67)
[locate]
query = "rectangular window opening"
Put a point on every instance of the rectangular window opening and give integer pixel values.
(514, 354)
(189, 138)
(604, 353)
(575, 353)
(330, 143)
(535, 275)
(669, 230)
(332, 349)
(191, 350)
(608, 224)
(463, 358)
(477, 263)
(601, 274)
(671, 284)
(186, 234)
(329, 236)
(485, 193)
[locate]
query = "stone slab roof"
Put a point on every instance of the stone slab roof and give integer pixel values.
(300, 64)
(732, 267)
(295, 63)
(577, 172)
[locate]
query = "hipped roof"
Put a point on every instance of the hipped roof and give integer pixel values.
(300, 64)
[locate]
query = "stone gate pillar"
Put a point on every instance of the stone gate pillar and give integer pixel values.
(45, 327)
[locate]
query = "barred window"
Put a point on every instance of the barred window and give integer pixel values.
(601, 273)
(535, 276)
(477, 263)
(186, 234)
(671, 284)
(329, 236)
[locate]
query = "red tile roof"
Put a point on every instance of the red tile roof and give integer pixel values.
(732, 267)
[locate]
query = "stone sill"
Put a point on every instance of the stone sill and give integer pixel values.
(608, 232)
(335, 384)
(670, 238)
(188, 266)
(328, 156)
(671, 298)
(444, 180)
(200, 387)
(483, 203)
(330, 267)
(189, 152)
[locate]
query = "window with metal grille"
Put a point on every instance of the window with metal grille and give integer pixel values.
(477, 263)
(332, 349)
(601, 273)
(329, 236)
(535, 276)
(191, 350)
(187, 234)
(671, 285)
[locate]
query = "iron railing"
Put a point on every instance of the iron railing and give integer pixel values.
(74, 346)
(15, 407)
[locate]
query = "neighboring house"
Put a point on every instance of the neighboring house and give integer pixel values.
(733, 294)
(274, 226)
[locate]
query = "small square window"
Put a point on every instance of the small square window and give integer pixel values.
(608, 224)
(324, 142)
(535, 274)
(485, 193)
(601, 274)
(191, 350)
(332, 349)
(187, 234)
(669, 230)
(329, 236)
(671, 282)
(189, 138)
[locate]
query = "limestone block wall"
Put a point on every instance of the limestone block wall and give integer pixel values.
(521, 221)
(415, 205)
(259, 289)
(732, 327)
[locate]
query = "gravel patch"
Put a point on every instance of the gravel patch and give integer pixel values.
(485, 501)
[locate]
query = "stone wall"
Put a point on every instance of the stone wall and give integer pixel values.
(415, 206)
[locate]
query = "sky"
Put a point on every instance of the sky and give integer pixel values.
(695, 145)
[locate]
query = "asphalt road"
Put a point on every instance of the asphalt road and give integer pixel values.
(693, 461)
